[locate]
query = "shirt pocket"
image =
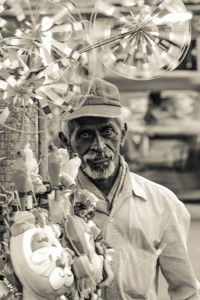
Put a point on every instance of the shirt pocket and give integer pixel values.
(138, 271)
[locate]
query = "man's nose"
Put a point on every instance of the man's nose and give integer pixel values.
(98, 143)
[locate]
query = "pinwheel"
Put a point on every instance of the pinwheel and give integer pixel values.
(141, 39)
(38, 64)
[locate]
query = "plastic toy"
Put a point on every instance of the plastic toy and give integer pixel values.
(92, 264)
(41, 264)
(26, 177)
(62, 173)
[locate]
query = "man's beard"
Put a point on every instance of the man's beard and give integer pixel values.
(98, 170)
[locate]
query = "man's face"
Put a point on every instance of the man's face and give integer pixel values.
(97, 142)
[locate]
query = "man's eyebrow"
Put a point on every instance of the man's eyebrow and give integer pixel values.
(109, 124)
(81, 129)
(88, 127)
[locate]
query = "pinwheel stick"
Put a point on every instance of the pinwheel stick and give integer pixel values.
(110, 40)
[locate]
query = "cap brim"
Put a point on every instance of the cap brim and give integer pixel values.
(104, 111)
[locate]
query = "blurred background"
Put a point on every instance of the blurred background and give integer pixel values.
(163, 117)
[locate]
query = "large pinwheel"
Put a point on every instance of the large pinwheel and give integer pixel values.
(38, 58)
(141, 39)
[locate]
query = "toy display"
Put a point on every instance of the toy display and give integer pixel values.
(56, 251)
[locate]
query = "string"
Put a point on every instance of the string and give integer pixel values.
(18, 130)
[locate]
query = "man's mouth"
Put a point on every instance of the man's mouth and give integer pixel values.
(99, 160)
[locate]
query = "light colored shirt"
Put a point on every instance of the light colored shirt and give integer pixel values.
(147, 226)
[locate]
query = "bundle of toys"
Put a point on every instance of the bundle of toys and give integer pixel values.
(52, 252)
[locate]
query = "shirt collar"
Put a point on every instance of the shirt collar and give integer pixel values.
(137, 186)
(119, 182)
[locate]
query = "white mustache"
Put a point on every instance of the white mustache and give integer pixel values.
(97, 156)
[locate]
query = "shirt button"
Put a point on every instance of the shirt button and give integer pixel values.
(110, 219)
(111, 285)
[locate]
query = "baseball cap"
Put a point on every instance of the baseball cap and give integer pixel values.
(102, 99)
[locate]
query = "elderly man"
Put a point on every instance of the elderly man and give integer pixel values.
(144, 222)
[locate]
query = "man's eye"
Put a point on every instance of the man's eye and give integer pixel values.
(107, 131)
(85, 135)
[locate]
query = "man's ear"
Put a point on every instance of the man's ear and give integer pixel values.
(123, 134)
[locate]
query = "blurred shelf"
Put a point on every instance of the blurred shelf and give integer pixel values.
(185, 184)
(193, 7)
(192, 196)
(190, 128)
(176, 80)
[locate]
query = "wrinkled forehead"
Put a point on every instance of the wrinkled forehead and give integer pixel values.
(92, 122)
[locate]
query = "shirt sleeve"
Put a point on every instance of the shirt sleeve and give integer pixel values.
(174, 259)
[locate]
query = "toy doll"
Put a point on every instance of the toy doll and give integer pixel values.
(41, 264)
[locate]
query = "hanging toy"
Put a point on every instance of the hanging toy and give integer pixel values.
(92, 263)
(87, 265)
(41, 264)
(69, 167)
(54, 165)
(22, 180)
(62, 173)
(33, 169)
(62, 170)
(26, 177)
